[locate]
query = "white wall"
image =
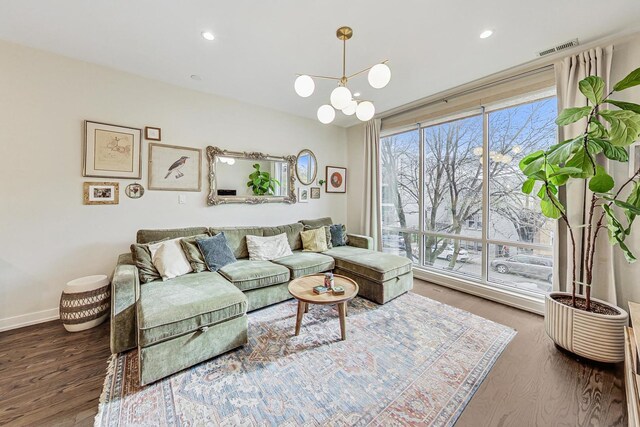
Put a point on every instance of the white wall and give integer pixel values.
(48, 237)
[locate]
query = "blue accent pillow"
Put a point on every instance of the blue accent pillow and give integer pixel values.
(216, 251)
(338, 234)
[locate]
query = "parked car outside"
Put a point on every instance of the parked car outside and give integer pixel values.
(525, 265)
(463, 255)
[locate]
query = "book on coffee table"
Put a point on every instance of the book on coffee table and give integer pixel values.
(320, 290)
(338, 290)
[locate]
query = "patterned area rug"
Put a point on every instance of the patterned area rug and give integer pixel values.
(413, 361)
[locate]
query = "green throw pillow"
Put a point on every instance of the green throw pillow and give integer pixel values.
(193, 254)
(147, 272)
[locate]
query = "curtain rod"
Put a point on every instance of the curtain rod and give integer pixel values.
(471, 90)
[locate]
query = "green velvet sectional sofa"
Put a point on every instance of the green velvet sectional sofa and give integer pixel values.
(183, 321)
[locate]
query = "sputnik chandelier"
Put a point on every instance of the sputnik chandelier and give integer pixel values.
(341, 97)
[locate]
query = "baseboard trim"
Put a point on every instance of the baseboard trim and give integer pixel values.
(522, 302)
(29, 319)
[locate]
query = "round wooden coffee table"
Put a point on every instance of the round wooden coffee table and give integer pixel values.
(302, 290)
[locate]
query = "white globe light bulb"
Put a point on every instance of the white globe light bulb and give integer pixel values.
(379, 76)
(326, 114)
(304, 86)
(340, 97)
(350, 109)
(365, 111)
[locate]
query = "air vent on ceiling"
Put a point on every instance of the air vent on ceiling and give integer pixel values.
(558, 48)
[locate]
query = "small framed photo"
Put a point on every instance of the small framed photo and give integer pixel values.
(634, 158)
(152, 134)
(101, 193)
(111, 151)
(134, 191)
(303, 195)
(173, 168)
(336, 180)
(315, 192)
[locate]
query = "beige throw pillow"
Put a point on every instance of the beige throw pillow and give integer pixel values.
(314, 240)
(268, 248)
(169, 259)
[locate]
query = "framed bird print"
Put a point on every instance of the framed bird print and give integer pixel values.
(173, 168)
(112, 151)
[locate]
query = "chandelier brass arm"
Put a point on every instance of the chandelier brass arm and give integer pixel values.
(341, 97)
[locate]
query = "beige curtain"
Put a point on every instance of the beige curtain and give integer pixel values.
(371, 209)
(594, 62)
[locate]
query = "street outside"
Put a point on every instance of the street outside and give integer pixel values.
(473, 269)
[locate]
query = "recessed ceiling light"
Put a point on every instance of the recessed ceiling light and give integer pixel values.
(356, 94)
(207, 35)
(485, 34)
(196, 77)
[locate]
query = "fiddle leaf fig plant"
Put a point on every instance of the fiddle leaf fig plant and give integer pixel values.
(575, 159)
(261, 183)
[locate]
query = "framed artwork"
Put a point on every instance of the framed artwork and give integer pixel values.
(101, 193)
(634, 158)
(134, 191)
(315, 192)
(152, 134)
(303, 195)
(111, 151)
(336, 180)
(173, 168)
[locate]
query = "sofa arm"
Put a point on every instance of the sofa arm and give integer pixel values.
(358, 241)
(125, 291)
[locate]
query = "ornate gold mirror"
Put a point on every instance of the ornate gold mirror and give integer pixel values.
(250, 177)
(306, 167)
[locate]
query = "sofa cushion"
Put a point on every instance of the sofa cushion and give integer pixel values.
(340, 252)
(148, 236)
(147, 272)
(247, 274)
(303, 263)
(377, 266)
(314, 240)
(236, 238)
(169, 258)
(318, 222)
(178, 306)
(327, 232)
(292, 231)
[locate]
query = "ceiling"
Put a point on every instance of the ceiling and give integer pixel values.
(261, 45)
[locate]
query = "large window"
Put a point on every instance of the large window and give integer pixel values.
(451, 199)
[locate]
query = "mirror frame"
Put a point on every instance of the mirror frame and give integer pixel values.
(213, 199)
(315, 170)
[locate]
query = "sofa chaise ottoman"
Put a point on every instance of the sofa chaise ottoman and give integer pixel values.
(183, 321)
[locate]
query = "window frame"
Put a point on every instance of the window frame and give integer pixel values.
(485, 242)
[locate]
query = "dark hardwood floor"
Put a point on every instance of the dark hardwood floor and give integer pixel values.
(50, 377)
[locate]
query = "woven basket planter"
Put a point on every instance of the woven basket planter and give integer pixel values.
(594, 336)
(84, 303)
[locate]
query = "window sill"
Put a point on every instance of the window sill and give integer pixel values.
(533, 304)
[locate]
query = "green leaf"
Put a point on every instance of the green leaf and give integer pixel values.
(625, 126)
(597, 129)
(615, 228)
(581, 160)
(611, 151)
(249, 184)
(530, 158)
(627, 252)
(572, 115)
(549, 209)
(559, 153)
(527, 186)
(565, 171)
(533, 167)
(632, 209)
(633, 200)
(633, 79)
(593, 88)
(601, 182)
(625, 105)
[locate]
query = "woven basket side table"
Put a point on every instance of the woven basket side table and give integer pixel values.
(84, 303)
